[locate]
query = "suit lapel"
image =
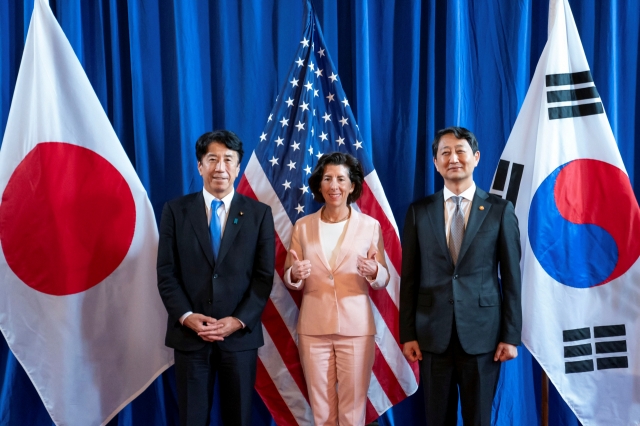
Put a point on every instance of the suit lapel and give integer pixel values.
(476, 217)
(435, 211)
(197, 214)
(352, 229)
(233, 225)
(314, 229)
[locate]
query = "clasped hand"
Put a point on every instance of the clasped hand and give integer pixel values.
(211, 329)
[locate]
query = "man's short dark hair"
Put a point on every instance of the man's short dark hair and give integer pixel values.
(356, 174)
(459, 133)
(226, 137)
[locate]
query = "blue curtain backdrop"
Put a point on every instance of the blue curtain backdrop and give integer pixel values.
(168, 70)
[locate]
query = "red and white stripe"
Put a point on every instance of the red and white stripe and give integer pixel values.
(280, 381)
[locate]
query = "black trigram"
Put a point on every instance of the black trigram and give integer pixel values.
(608, 352)
(573, 94)
(512, 171)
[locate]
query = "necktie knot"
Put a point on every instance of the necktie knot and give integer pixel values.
(215, 205)
(457, 200)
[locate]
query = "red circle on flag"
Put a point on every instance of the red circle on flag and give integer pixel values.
(67, 219)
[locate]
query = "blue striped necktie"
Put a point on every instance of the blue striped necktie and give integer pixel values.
(215, 228)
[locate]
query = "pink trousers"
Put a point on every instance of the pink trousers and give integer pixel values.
(337, 370)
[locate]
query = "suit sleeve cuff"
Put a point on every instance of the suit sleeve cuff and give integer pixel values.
(241, 323)
(184, 317)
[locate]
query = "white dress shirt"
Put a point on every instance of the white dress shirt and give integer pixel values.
(222, 212)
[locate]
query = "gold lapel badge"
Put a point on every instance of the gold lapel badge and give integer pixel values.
(481, 208)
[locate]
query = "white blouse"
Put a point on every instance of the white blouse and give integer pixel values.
(331, 237)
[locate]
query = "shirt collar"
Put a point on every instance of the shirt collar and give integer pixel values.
(208, 198)
(467, 194)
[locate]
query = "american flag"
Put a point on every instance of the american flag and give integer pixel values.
(312, 117)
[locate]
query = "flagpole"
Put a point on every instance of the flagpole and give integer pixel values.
(544, 420)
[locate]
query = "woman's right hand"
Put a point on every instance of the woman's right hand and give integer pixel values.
(300, 269)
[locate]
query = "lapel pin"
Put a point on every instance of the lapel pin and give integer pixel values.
(241, 213)
(481, 207)
(235, 221)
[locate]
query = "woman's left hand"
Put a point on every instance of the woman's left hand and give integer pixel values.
(368, 266)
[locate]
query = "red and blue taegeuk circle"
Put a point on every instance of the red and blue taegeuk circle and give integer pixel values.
(584, 223)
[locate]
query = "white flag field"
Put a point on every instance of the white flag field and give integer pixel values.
(79, 308)
(579, 224)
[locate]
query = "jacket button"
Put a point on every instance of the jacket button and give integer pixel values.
(215, 275)
(209, 301)
(330, 276)
(455, 277)
(451, 301)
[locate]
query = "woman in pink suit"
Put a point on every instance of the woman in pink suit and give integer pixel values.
(335, 256)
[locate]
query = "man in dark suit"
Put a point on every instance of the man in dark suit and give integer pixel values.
(215, 268)
(456, 316)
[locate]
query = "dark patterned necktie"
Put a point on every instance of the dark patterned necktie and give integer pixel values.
(456, 233)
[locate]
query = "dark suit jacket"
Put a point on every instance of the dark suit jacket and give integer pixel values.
(433, 290)
(238, 284)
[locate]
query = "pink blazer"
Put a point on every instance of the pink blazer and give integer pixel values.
(337, 301)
